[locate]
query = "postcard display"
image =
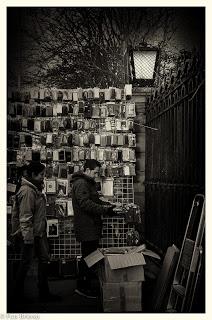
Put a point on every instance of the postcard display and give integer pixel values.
(62, 128)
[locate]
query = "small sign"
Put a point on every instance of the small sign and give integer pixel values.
(52, 228)
(11, 187)
(9, 209)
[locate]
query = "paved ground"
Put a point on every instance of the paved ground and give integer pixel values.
(70, 301)
(64, 287)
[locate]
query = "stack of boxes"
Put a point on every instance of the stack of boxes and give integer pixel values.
(121, 274)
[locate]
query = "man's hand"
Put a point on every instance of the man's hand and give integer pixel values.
(110, 211)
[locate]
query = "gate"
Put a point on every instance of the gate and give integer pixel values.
(175, 154)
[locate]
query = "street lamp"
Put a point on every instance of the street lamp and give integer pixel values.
(143, 65)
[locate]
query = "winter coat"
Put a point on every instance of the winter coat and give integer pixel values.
(29, 212)
(87, 207)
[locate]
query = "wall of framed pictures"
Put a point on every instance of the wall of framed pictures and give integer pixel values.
(62, 128)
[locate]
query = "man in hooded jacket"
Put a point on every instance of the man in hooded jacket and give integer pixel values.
(88, 209)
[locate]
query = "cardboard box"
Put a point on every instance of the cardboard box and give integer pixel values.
(121, 274)
(108, 274)
(125, 265)
(122, 297)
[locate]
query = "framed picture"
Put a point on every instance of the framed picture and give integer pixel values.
(52, 228)
(62, 187)
(63, 171)
(107, 187)
(50, 186)
(70, 211)
(9, 209)
(61, 208)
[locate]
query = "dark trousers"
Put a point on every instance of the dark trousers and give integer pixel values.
(86, 275)
(40, 249)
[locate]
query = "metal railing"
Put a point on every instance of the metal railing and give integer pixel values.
(175, 154)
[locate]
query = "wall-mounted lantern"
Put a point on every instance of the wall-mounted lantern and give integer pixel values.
(143, 65)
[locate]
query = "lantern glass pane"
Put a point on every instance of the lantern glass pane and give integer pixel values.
(144, 62)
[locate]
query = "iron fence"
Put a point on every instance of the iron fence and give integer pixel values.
(175, 154)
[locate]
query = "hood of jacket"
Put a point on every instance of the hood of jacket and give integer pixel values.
(36, 185)
(82, 175)
(26, 182)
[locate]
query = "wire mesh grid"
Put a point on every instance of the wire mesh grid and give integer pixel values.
(123, 190)
(114, 230)
(14, 256)
(66, 246)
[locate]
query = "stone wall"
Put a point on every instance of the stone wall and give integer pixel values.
(139, 97)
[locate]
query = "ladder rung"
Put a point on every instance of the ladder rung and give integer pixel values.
(179, 289)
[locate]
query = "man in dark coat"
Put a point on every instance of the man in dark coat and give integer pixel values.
(88, 209)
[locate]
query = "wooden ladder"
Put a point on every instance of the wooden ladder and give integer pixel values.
(188, 267)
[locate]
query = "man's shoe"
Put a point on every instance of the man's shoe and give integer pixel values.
(86, 293)
(49, 298)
